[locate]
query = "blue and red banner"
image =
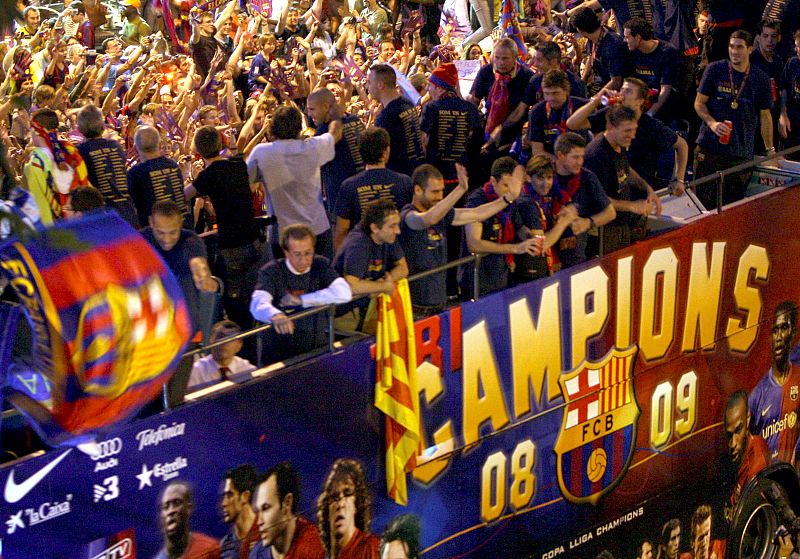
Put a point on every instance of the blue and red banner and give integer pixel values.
(108, 321)
(510, 26)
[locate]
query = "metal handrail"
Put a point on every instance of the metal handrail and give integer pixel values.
(329, 308)
(719, 176)
(475, 258)
(331, 311)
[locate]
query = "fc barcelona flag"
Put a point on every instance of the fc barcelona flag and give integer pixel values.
(396, 387)
(510, 26)
(598, 430)
(107, 318)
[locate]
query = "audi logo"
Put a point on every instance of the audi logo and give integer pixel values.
(108, 448)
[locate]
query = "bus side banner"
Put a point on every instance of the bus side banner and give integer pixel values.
(578, 413)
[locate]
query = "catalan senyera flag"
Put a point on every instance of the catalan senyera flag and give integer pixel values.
(510, 26)
(108, 321)
(396, 392)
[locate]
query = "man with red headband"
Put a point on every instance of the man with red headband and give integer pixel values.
(54, 167)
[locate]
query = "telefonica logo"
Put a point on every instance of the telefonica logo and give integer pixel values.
(154, 437)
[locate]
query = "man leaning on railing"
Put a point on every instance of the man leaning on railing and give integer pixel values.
(300, 280)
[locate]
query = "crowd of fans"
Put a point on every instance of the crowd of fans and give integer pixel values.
(305, 156)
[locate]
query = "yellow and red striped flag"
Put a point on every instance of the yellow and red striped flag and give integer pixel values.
(396, 392)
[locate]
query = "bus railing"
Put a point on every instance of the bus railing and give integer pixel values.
(719, 176)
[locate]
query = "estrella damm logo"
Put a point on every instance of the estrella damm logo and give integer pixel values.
(598, 430)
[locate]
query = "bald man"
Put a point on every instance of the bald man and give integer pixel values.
(156, 178)
(322, 108)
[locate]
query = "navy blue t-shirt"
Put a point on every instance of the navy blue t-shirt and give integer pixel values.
(482, 85)
(347, 161)
(367, 186)
(756, 96)
(613, 170)
(152, 181)
(189, 246)
(624, 9)
(455, 132)
(493, 274)
(105, 163)
(772, 69)
(276, 279)
(364, 259)
(589, 199)
(546, 124)
(400, 119)
(534, 94)
(790, 82)
(657, 68)
(613, 57)
(653, 138)
(426, 249)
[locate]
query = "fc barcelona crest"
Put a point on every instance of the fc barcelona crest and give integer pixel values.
(598, 430)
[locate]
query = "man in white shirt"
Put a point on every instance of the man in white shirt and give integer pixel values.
(222, 363)
(297, 282)
(290, 168)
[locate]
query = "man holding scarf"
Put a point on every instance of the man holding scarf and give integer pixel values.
(501, 86)
(54, 167)
(494, 238)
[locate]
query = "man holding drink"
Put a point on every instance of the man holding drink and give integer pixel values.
(732, 98)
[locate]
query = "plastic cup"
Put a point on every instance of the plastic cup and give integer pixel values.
(726, 139)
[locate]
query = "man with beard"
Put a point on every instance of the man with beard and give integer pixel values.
(344, 513)
(425, 224)
(239, 483)
(175, 509)
(748, 453)
(283, 533)
(774, 402)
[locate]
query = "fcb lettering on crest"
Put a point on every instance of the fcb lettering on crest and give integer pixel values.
(598, 430)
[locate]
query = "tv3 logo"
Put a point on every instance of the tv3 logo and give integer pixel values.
(108, 490)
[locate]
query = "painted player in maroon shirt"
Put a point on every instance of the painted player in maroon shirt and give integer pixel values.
(748, 452)
(703, 547)
(283, 533)
(175, 510)
(344, 513)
